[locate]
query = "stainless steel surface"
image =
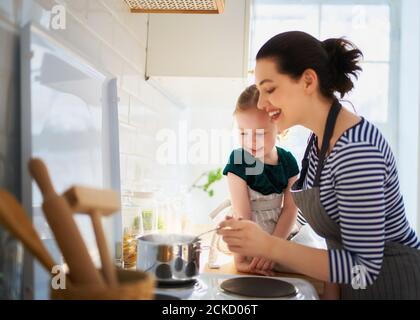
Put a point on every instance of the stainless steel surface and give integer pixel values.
(171, 258)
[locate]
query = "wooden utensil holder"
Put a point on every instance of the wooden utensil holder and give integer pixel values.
(132, 285)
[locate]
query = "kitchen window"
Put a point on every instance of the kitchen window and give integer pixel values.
(372, 25)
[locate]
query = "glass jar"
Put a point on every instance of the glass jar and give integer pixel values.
(129, 251)
(165, 223)
(130, 214)
(131, 230)
(185, 210)
(147, 210)
(174, 212)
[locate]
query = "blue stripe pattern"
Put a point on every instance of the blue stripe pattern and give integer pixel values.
(359, 190)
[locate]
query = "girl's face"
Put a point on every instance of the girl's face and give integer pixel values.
(280, 95)
(257, 133)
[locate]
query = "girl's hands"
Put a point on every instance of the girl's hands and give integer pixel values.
(261, 264)
(245, 266)
(245, 237)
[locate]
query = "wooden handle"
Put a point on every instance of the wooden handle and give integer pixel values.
(107, 265)
(96, 203)
(85, 200)
(39, 173)
(14, 218)
(70, 242)
(60, 218)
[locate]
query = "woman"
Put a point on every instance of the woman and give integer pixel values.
(348, 190)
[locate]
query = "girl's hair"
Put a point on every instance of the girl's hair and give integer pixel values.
(248, 99)
(333, 60)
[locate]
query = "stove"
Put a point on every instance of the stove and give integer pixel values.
(207, 287)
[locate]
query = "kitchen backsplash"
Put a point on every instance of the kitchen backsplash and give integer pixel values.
(106, 32)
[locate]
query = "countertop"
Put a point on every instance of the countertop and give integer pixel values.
(229, 268)
(227, 265)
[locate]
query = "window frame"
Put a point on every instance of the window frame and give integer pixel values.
(390, 128)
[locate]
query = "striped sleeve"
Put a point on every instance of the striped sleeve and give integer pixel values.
(359, 173)
(300, 219)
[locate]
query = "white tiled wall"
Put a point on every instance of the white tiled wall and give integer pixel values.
(105, 32)
(108, 35)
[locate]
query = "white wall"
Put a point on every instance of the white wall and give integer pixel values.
(409, 110)
(105, 32)
(217, 120)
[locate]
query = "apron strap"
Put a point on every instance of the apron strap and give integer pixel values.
(329, 128)
(305, 163)
(328, 132)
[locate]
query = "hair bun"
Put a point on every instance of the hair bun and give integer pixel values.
(344, 58)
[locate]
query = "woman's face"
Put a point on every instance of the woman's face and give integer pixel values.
(280, 95)
(257, 134)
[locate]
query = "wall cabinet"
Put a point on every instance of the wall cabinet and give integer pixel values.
(181, 45)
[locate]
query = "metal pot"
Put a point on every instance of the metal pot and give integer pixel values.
(171, 258)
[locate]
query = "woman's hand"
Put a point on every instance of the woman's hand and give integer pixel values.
(331, 291)
(245, 237)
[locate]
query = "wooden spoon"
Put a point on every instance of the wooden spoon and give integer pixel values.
(97, 203)
(13, 217)
(60, 218)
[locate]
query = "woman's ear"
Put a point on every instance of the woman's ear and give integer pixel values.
(310, 81)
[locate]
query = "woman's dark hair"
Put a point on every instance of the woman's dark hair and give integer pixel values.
(333, 60)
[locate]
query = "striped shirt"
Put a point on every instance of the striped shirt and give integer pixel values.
(359, 190)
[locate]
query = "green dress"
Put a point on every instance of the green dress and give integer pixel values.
(266, 188)
(273, 179)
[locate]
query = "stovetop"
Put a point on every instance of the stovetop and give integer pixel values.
(207, 287)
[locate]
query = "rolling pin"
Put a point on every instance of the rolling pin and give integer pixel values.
(97, 203)
(60, 218)
(14, 218)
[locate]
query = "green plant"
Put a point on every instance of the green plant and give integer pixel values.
(212, 177)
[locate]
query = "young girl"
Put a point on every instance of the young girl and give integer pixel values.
(260, 176)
